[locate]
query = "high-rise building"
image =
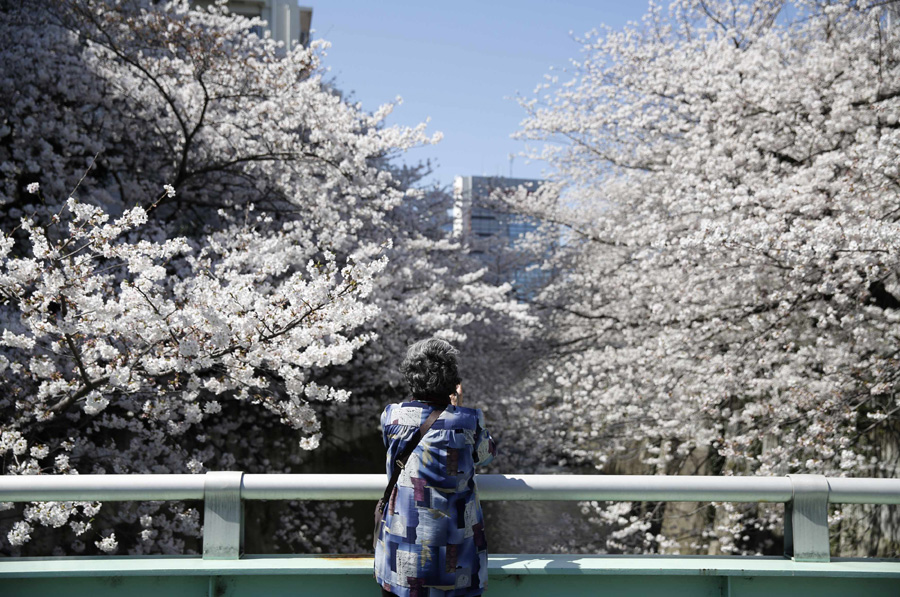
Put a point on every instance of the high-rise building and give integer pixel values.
(285, 19)
(493, 233)
(475, 216)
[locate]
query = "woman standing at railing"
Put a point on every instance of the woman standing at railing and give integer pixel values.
(432, 537)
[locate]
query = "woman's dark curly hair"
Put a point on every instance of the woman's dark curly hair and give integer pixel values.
(431, 370)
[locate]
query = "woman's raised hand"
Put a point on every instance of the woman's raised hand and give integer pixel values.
(456, 397)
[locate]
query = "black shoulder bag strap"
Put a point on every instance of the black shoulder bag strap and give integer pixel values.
(399, 464)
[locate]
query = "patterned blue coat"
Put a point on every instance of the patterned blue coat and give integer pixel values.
(432, 541)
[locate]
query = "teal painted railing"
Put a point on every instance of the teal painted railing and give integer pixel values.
(807, 568)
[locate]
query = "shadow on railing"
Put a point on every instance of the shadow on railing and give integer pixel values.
(806, 497)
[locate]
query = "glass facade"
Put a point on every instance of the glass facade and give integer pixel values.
(495, 235)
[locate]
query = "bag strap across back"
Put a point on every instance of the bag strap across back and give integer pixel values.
(400, 463)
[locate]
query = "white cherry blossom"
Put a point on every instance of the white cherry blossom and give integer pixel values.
(728, 297)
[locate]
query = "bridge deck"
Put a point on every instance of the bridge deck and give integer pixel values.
(510, 575)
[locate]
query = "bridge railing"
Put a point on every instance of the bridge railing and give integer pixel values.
(806, 497)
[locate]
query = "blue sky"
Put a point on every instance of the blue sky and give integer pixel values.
(461, 64)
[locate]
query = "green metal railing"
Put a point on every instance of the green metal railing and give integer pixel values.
(808, 568)
(806, 497)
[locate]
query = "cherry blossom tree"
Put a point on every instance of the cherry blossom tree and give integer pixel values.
(727, 175)
(265, 170)
(110, 359)
(199, 237)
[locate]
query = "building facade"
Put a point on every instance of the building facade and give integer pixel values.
(494, 234)
(285, 19)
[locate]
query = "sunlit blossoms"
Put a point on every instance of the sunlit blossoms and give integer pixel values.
(190, 263)
(101, 324)
(208, 258)
(210, 261)
(108, 544)
(731, 302)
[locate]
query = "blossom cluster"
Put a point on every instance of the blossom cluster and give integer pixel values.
(109, 336)
(729, 190)
(194, 272)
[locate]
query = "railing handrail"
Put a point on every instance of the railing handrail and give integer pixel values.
(806, 497)
(648, 488)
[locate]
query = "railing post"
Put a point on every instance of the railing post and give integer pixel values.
(806, 520)
(223, 515)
